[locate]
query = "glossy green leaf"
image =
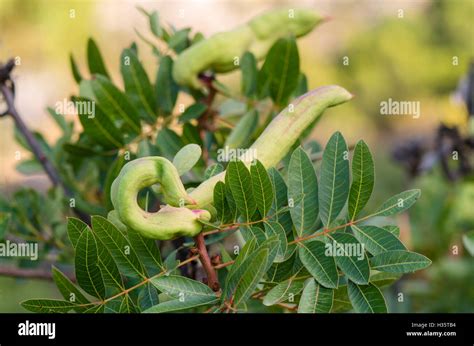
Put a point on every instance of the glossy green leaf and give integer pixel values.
(220, 203)
(280, 200)
(302, 192)
(178, 305)
(398, 203)
(116, 104)
(68, 290)
(94, 59)
(315, 298)
(147, 251)
(274, 228)
(363, 176)
(75, 227)
(262, 187)
(118, 246)
(399, 261)
(74, 69)
(241, 134)
(350, 257)
(284, 291)
(280, 71)
(47, 305)
(187, 157)
(88, 273)
(322, 267)
(238, 179)
(147, 297)
(334, 181)
(366, 298)
(181, 287)
(137, 85)
(166, 90)
(376, 239)
(248, 66)
(193, 112)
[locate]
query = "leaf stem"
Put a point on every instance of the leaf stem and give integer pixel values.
(212, 281)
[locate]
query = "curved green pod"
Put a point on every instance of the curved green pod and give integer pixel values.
(170, 221)
(257, 36)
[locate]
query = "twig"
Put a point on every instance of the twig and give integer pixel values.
(31, 273)
(7, 88)
(206, 263)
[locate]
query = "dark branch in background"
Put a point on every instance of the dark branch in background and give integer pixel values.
(419, 156)
(7, 88)
(205, 122)
(31, 273)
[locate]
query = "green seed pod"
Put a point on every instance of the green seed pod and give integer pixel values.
(173, 221)
(169, 222)
(257, 36)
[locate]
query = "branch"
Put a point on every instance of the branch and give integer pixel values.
(7, 88)
(206, 263)
(31, 273)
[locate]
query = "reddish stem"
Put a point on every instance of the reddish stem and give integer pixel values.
(206, 263)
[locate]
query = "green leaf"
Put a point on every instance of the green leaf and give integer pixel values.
(238, 179)
(315, 298)
(399, 261)
(301, 87)
(213, 170)
(262, 187)
(166, 90)
(181, 287)
(283, 291)
(75, 70)
(281, 70)
(68, 290)
(366, 298)
(94, 59)
(88, 273)
(348, 257)
(47, 305)
(168, 143)
(99, 127)
(116, 104)
(61, 121)
(334, 181)
(274, 228)
(398, 203)
(155, 24)
(322, 267)
(251, 273)
(395, 230)
(137, 85)
(147, 297)
(108, 267)
(363, 176)
(179, 41)
(241, 134)
(280, 200)
(381, 279)
(75, 227)
(177, 305)
(186, 158)
(28, 167)
(303, 192)
(377, 240)
(147, 251)
(220, 203)
(468, 241)
(118, 246)
(248, 66)
(193, 112)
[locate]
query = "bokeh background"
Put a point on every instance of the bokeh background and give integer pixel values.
(404, 50)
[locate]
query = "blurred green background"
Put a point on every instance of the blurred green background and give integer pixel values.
(404, 50)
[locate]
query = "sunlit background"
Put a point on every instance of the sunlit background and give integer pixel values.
(403, 50)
